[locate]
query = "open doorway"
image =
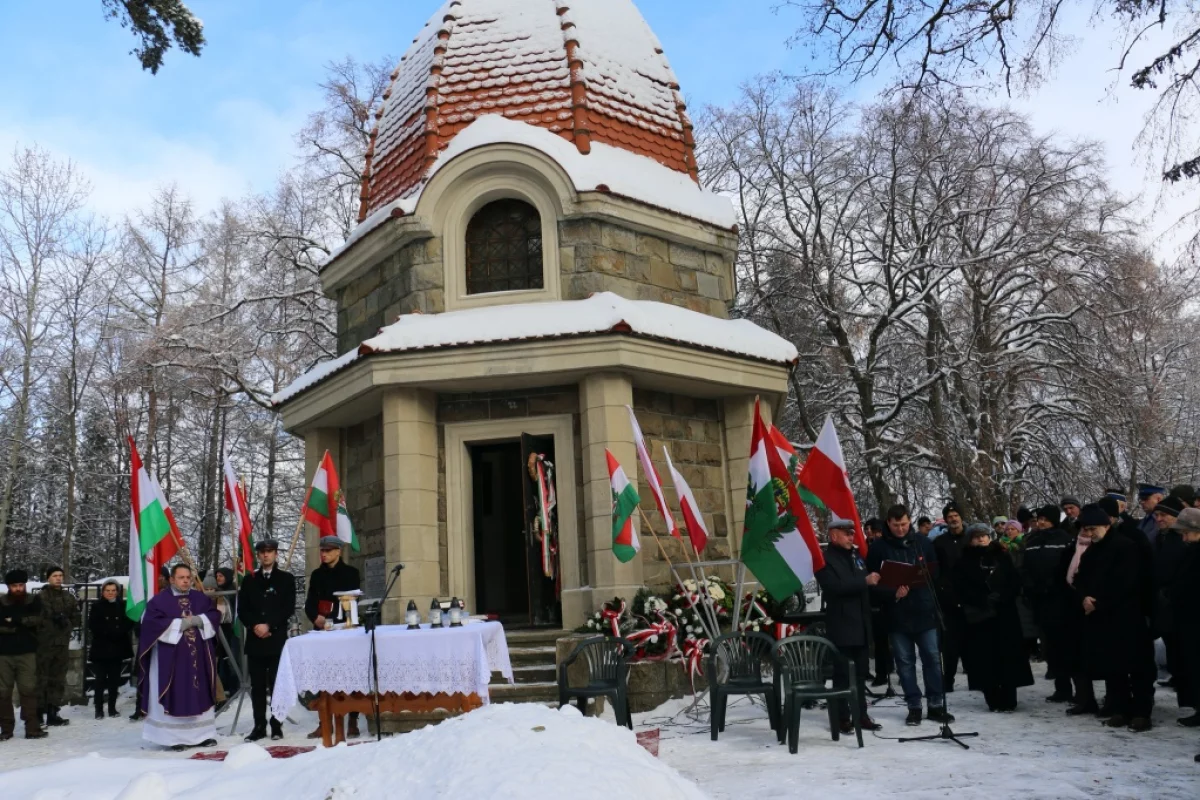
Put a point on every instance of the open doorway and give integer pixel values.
(501, 573)
(510, 563)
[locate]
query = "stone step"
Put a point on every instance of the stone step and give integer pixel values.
(539, 692)
(535, 637)
(531, 656)
(529, 673)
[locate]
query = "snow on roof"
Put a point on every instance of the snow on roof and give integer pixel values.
(604, 312)
(589, 71)
(620, 171)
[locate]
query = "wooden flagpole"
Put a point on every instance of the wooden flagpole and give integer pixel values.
(299, 527)
(710, 618)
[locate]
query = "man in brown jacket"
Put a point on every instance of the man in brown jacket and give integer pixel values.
(20, 619)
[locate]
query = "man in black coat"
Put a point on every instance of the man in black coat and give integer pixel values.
(846, 587)
(949, 547)
(266, 602)
(912, 615)
(1116, 637)
(321, 605)
(1184, 597)
(1046, 592)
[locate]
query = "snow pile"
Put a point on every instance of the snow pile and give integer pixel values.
(624, 173)
(524, 751)
(601, 313)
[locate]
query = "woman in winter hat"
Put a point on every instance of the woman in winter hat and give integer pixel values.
(109, 645)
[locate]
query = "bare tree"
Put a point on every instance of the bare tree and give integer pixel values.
(39, 200)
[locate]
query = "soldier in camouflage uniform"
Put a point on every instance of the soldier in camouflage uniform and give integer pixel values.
(60, 616)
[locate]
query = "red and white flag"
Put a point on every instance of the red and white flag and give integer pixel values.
(824, 474)
(693, 519)
(652, 475)
(239, 510)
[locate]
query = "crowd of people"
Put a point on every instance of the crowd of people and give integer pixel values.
(1086, 588)
(178, 668)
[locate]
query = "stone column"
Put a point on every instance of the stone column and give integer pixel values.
(602, 401)
(316, 442)
(410, 498)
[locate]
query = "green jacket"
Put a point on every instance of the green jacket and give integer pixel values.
(60, 615)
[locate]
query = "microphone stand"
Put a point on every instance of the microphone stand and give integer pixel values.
(946, 733)
(376, 618)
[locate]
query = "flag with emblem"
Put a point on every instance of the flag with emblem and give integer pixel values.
(779, 544)
(625, 543)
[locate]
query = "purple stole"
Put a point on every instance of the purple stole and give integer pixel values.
(187, 671)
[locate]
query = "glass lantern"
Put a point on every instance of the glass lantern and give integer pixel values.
(435, 614)
(412, 616)
(455, 613)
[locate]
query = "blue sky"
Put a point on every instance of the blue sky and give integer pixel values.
(222, 124)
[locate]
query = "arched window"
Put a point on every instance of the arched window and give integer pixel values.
(504, 248)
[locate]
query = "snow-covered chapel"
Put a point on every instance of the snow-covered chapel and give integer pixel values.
(535, 254)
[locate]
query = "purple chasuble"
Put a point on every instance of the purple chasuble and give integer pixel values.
(187, 671)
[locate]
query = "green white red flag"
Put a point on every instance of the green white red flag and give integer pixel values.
(154, 538)
(825, 475)
(625, 542)
(779, 544)
(652, 475)
(326, 507)
(693, 519)
(239, 511)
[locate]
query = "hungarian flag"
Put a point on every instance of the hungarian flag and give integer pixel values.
(693, 520)
(625, 543)
(825, 476)
(791, 460)
(326, 507)
(779, 544)
(154, 538)
(239, 510)
(652, 475)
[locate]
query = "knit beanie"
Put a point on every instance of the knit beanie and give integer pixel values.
(1093, 515)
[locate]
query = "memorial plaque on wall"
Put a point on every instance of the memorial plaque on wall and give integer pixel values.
(374, 577)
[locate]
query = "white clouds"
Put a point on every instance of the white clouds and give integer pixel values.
(126, 160)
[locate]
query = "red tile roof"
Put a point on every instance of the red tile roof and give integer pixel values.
(587, 70)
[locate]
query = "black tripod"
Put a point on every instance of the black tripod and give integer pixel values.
(370, 623)
(945, 733)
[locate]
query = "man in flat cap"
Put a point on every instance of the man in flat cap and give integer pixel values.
(846, 586)
(266, 602)
(1149, 496)
(20, 621)
(321, 605)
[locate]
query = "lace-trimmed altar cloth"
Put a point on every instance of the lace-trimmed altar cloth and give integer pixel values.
(450, 660)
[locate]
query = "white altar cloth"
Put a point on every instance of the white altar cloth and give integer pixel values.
(449, 660)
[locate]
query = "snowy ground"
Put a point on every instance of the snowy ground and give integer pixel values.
(1037, 752)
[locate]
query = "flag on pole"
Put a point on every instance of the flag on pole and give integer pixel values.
(779, 544)
(320, 509)
(326, 507)
(652, 475)
(825, 476)
(625, 543)
(791, 460)
(693, 520)
(239, 510)
(154, 538)
(345, 529)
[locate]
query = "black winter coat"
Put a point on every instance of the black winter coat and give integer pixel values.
(1184, 595)
(844, 588)
(985, 581)
(1128, 528)
(20, 624)
(267, 601)
(109, 631)
(916, 613)
(326, 580)
(949, 549)
(1169, 550)
(1114, 636)
(1042, 574)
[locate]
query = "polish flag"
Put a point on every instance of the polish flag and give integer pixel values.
(824, 474)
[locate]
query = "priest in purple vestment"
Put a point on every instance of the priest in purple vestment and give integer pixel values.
(177, 665)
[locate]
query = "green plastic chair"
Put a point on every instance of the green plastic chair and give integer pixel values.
(804, 663)
(608, 671)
